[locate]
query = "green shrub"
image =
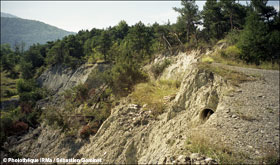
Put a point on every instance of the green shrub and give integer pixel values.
(54, 118)
(26, 85)
(231, 52)
(207, 59)
(157, 69)
(81, 92)
(232, 37)
(8, 118)
(124, 75)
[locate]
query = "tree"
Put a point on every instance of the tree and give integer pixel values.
(56, 53)
(264, 11)
(190, 16)
(213, 20)
(254, 40)
(234, 13)
(139, 40)
(124, 75)
(104, 44)
(26, 70)
(121, 30)
(33, 56)
(73, 47)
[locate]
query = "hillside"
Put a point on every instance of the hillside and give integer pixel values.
(7, 15)
(156, 94)
(17, 30)
(208, 117)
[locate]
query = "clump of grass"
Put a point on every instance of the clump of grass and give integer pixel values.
(246, 116)
(233, 76)
(207, 59)
(270, 157)
(152, 94)
(221, 153)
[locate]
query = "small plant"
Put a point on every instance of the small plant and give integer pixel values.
(86, 131)
(89, 129)
(207, 59)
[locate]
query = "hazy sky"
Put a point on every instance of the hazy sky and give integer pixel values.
(75, 16)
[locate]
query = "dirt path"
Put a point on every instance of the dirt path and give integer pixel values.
(248, 119)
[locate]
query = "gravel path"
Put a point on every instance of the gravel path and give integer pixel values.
(248, 119)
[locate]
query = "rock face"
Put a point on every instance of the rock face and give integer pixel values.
(59, 78)
(206, 104)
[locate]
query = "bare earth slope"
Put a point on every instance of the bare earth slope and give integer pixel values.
(242, 118)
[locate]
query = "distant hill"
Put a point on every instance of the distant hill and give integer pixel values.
(8, 15)
(16, 30)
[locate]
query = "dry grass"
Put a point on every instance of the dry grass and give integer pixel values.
(220, 152)
(153, 93)
(271, 156)
(246, 117)
(233, 76)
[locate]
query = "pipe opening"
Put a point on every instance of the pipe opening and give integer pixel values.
(205, 114)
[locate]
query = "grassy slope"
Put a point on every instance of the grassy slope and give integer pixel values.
(8, 85)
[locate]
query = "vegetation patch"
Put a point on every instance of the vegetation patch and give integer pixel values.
(271, 156)
(8, 87)
(233, 76)
(230, 56)
(207, 59)
(221, 153)
(155, 94)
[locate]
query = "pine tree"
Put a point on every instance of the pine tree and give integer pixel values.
(190, 16)
(254, 40)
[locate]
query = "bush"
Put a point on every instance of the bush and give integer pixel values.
(19, 127)
(157, 69)
(86, 131)
(124, 75)
(26, 85)
(231, 52)
(207, 59)
(54, 118)
(90, 129)
(232, 37)
(81, 93)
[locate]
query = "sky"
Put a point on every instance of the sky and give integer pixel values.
(75, 16)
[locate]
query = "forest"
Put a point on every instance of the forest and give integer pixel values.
(251, 30)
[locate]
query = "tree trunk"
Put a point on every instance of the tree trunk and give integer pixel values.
(231, 24)
(178, 38)
(166, 41)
